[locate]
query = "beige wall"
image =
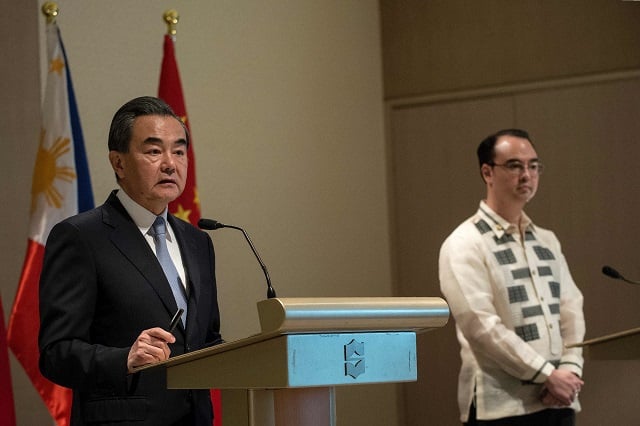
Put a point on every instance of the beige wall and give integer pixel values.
(285, 102)
(444, 46)
(569, 72)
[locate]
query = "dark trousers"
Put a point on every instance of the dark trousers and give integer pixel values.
(549, 417)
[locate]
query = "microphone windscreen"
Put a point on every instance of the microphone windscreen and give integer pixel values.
(610, 272)
(209, 224)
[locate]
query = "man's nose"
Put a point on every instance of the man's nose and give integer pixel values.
(168, 163)
(526, 172)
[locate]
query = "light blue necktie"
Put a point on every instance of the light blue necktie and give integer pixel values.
(158, 232)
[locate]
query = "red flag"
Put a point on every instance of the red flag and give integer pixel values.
(60, 188)
(187, 206)
(7, 410)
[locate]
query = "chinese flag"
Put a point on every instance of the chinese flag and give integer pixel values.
(60, 188)
(7, 410)
(187, 206)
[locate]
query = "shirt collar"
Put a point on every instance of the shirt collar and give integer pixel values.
(142, 217)
(500, 225)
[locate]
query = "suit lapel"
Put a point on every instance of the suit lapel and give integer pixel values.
(126, 236)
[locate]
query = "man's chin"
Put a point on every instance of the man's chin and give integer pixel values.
(169, 194)
(525, 195)
(528, 196)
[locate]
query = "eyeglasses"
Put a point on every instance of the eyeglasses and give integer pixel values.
(518, 168)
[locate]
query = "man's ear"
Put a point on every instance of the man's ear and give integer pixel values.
(485, 172)
(115, 158)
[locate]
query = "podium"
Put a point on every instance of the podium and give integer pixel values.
(624, 345)
(286, 375)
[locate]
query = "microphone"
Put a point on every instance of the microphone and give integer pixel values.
(212, 225)
(612, 273)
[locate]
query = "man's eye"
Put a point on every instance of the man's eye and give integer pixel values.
(515, 166)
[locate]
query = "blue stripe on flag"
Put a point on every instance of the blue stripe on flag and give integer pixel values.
(85, 193)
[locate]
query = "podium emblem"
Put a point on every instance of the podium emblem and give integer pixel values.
(354, 364)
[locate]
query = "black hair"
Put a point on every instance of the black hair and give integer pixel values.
(486, 151)
(122, 123)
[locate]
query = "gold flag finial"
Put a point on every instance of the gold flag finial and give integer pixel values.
(50, 10)
(171, 18)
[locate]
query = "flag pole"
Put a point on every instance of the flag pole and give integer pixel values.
(171, 17)
(50, 10)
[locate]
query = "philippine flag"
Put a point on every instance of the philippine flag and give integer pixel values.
(61, 187)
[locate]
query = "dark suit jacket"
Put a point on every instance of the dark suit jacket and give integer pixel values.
(101, 285)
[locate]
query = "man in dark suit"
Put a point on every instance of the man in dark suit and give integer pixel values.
(105, 301)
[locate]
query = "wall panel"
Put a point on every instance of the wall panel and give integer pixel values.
(587, 135)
